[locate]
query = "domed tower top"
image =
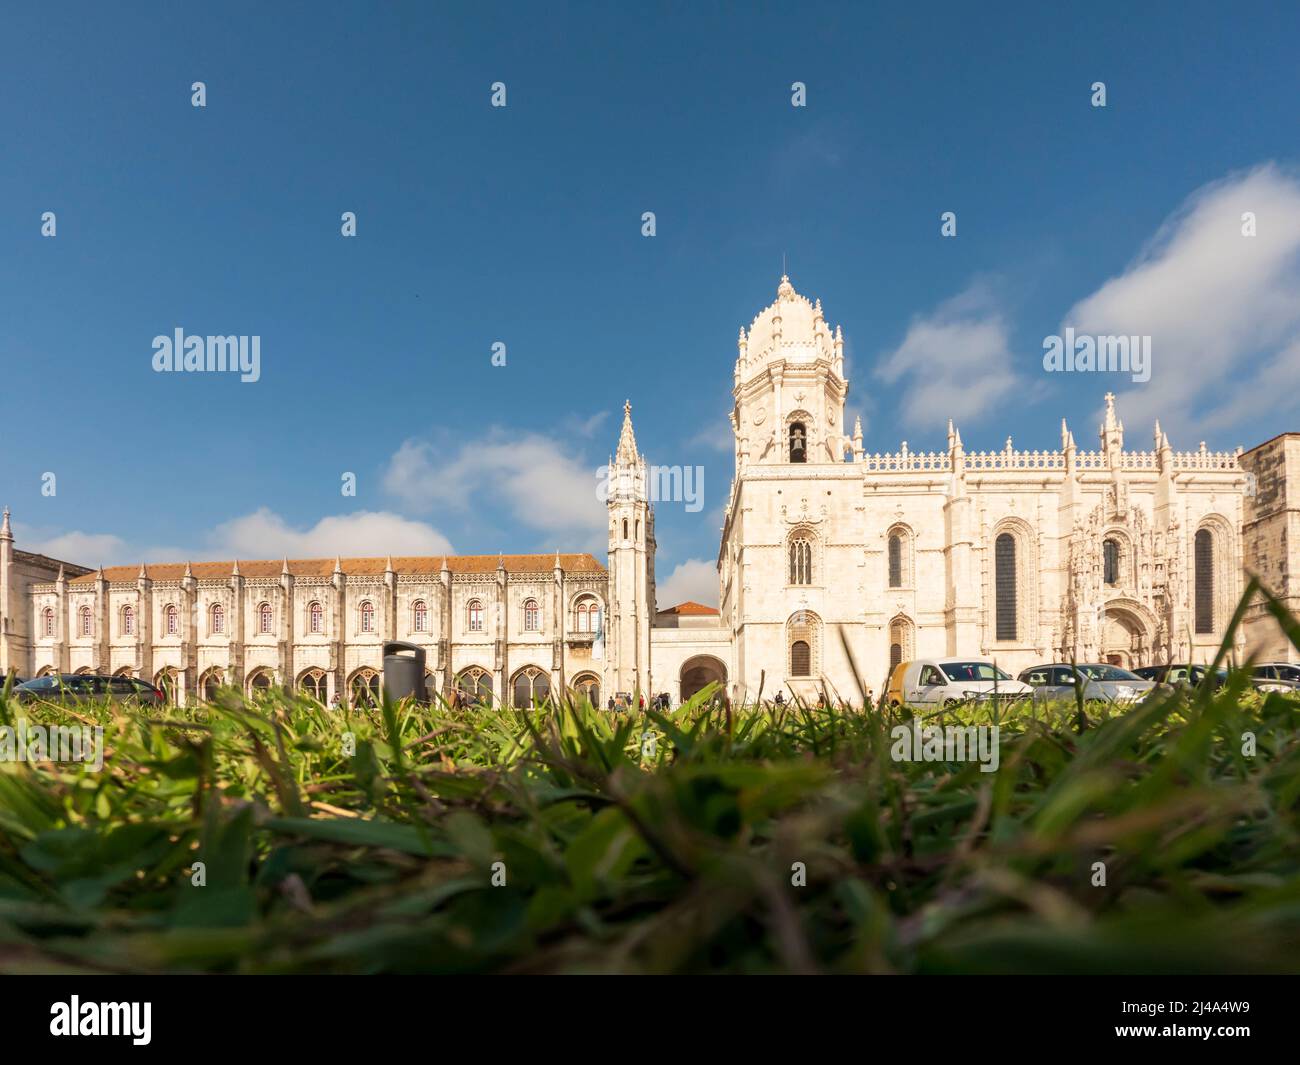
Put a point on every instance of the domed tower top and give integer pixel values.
(791, 329)
(789, 384)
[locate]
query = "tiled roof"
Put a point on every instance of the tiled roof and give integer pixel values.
(690, 607)
(352, 567)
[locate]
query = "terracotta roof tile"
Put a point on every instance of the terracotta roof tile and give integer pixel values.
(690, 607)
(352, 567)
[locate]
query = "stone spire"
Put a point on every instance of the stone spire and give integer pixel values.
(6, 531)
(143, 575)
(338, 565)
(284, 570)
(189, 572)
(234, 569)
(1112, 429)
(627, 453)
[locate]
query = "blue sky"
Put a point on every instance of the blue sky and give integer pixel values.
(523, 225)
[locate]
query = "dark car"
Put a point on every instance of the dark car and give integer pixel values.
(1277, 677)
(86, 687)
(1189, 676)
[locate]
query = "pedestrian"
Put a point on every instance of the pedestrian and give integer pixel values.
(780, 698)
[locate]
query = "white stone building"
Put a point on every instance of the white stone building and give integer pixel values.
(834, 563)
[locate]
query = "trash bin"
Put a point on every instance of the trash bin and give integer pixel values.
(403, 672)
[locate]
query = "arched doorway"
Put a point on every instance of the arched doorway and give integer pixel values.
(313, 683)
(260, 681)
(165, 681)
(1125, 639)
(699, 672)
(210, 683)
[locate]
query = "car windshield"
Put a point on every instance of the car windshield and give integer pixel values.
(1199, 671)
(959, 671)
(1107, 673)
(39, 684)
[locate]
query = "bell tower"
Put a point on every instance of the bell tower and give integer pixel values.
(631, 569)
(789, 386)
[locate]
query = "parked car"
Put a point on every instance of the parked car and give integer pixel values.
(1277, 677)
(946, 681)
(1099, 680)
(1188, 676)
(85, 687)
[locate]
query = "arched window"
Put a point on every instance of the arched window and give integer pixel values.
(1004, 562)
(475, 684)
(1110, 561)
(625, 528)
(260, 681)
(265, 616)
(801, 560)
(87, 624)
(895, 560)
(47, 622)
(364, 687)
(800, 659)
(532, 615)
(313, 684)
(165, 681)
(798, 442)
(1204, 576)
(475, 612)
(218, 615)
(419, 616)
(531, 683)
(587, 686)
(173, 619)
(586, 616)
(315, 618)
(209, 684)
(128, 621)
(367, 616)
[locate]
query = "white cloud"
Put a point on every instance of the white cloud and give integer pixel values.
(717, 435)
(1222, 309)
(540, 483)
(957, 362)
(264, 534)
(695, 580)
(261, 534)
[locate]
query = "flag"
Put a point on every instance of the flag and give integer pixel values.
(598, 646)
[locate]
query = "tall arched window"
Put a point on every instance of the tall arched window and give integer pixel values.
(128, 621)
(87, 625)
(315, 618)
(1004, 561)
(1110, 561)
(1204, 576)
(218, 615)
(367, 616)
(173, 620)
(475, 612)
(47, 622)
(419, 616)
(801, 560)
(625, 528)
(265, 616)
(314, 684)
(532, 615)
(798, 442)
(895, 560)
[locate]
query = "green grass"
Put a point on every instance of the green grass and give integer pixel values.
(379, 856)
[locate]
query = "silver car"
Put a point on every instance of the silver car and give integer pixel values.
(1102, 682)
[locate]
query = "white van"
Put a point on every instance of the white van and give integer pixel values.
(945, 681)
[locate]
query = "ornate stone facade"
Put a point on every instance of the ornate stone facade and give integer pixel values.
(834, 563)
